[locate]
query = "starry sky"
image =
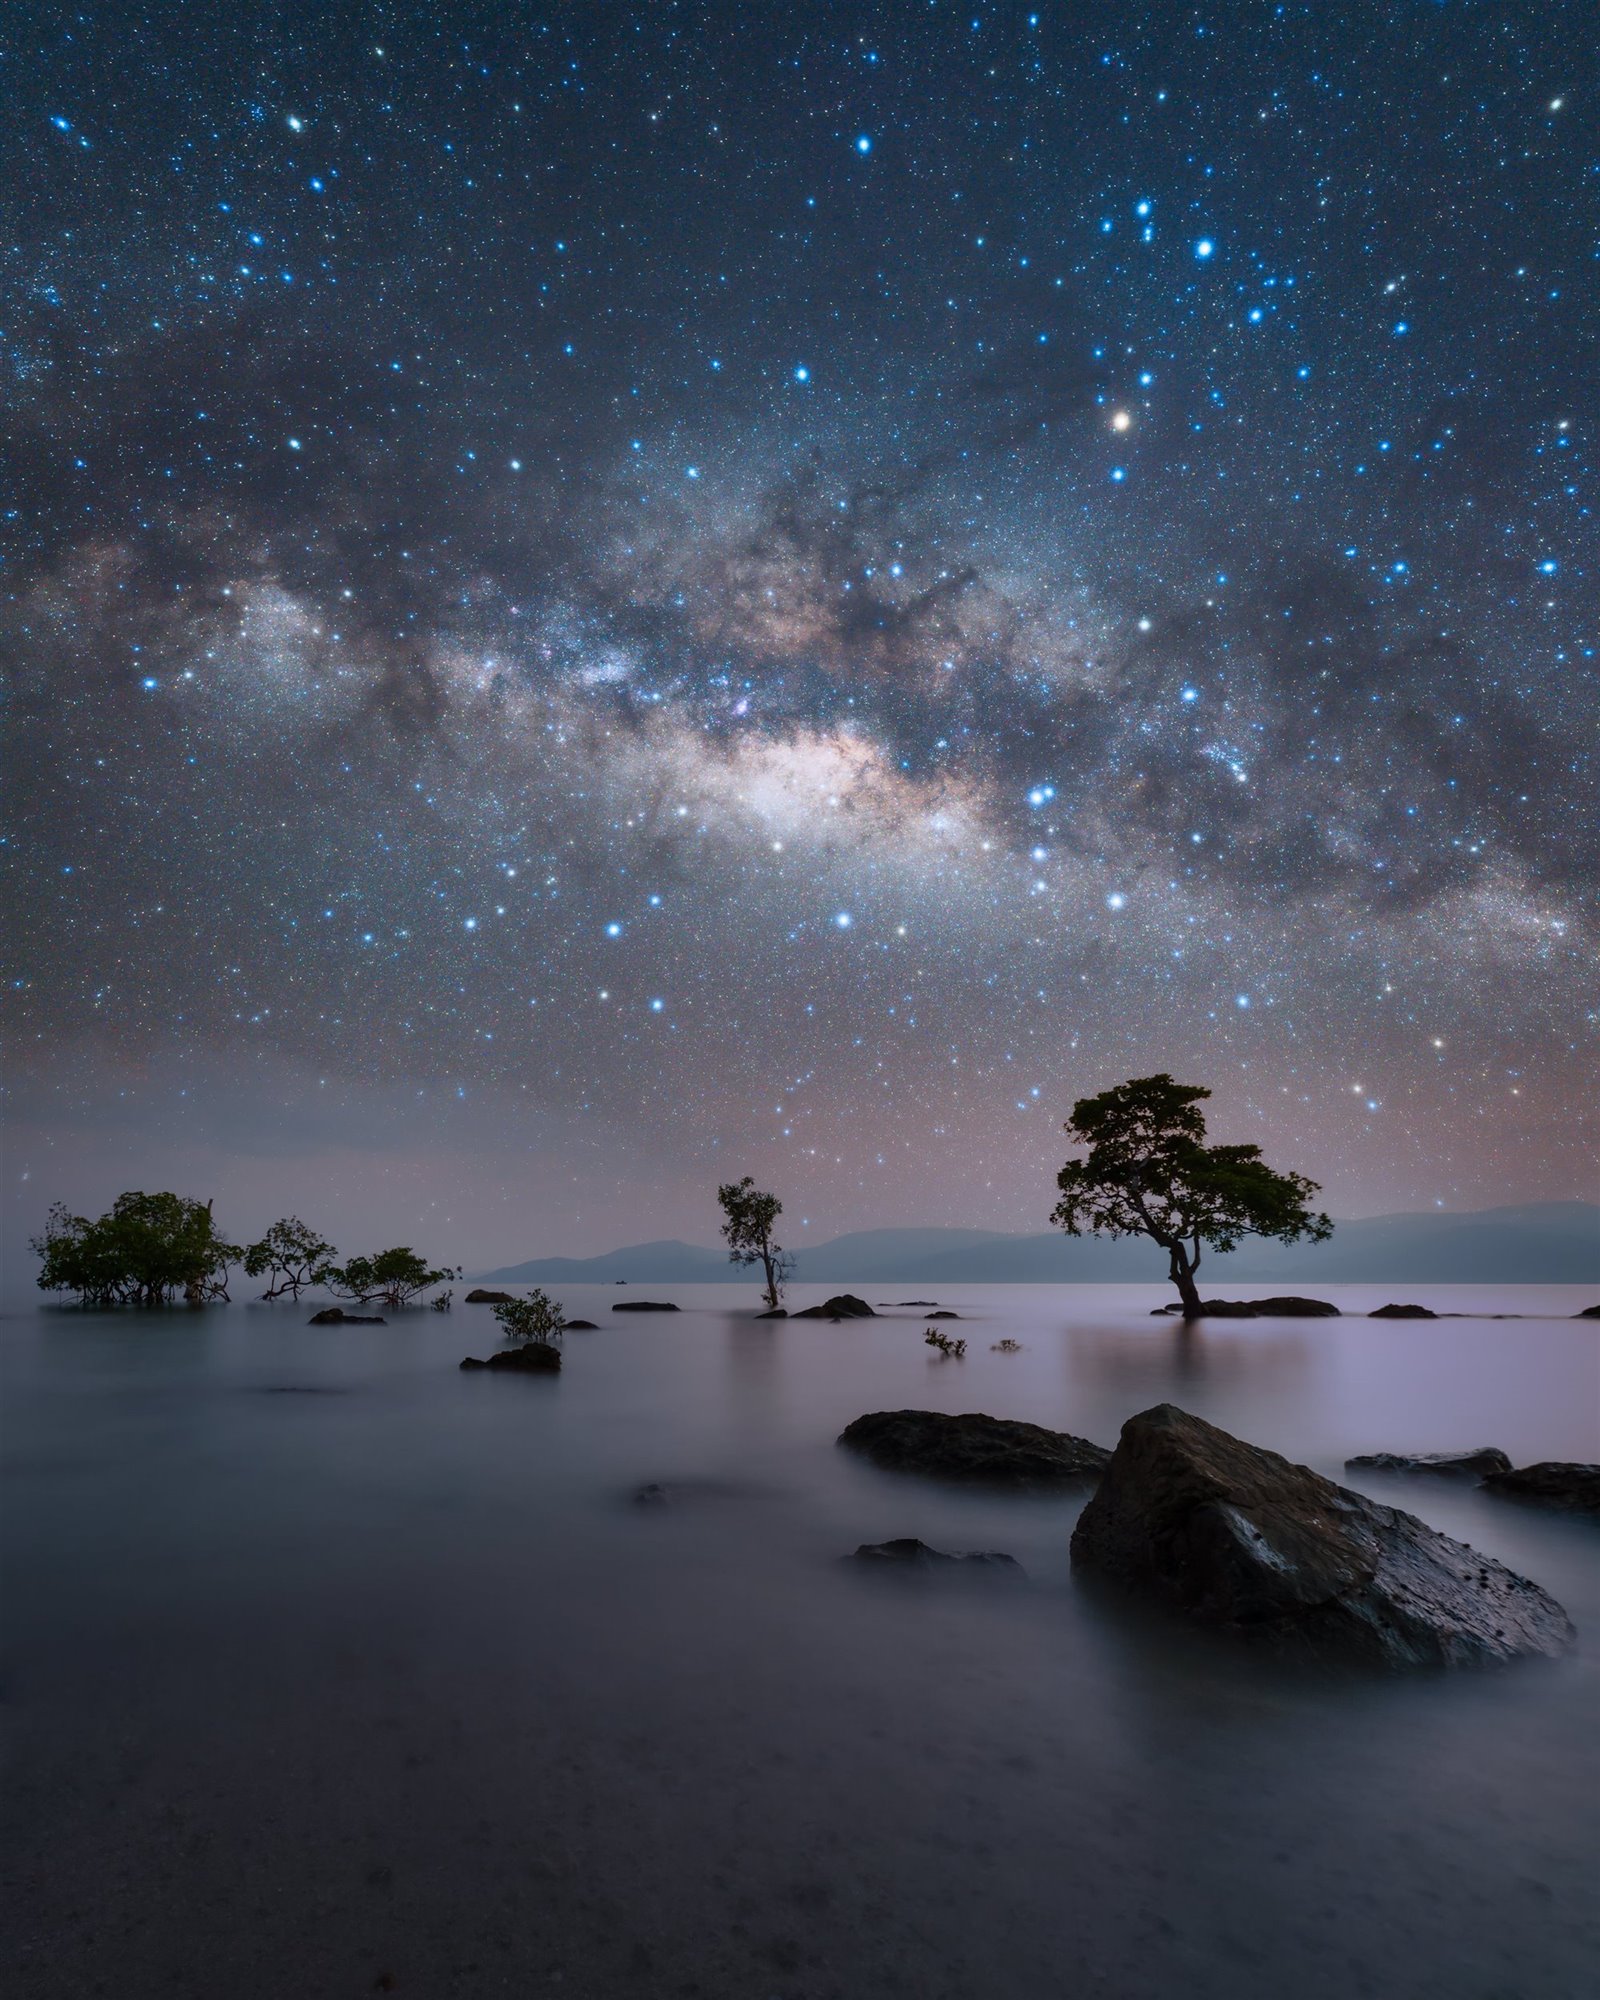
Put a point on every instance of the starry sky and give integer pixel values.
(597, 598)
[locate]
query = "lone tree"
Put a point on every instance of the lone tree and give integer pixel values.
(395, 1276)
(748, 1219)
(1150, 1173)
(292, 1254)
(144, 1251)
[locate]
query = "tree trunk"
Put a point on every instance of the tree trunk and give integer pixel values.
(1182, 1272)
(772, 1283)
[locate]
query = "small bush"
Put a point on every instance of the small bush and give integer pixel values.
(537, 1317)
(1006, 1347)
(949, 1348)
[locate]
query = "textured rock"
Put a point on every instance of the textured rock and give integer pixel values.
(1574, 1488)
(529, 1357)
(908, 1553)
(1403, 1312)
(643, 1306)
(1240, 1538)
(843, 1305)
(479, 1297)
(991, 1451)
(1444, 1464)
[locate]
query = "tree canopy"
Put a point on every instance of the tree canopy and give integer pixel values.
(146, 1250)
(1150, 1173)
(396, 1276)
(536, 1317)
(292, 1254)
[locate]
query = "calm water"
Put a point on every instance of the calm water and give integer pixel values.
(330, 1670)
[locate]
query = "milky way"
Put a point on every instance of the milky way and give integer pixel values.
(605, 596)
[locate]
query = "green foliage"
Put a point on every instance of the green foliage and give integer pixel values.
(748, 1219)
(1150, 1173)
(396, 1276)
(145, 1250)
(292, 1254)
(949, 1348)
(537, 1317)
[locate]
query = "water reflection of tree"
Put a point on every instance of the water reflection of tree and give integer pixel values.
(1144, 1367)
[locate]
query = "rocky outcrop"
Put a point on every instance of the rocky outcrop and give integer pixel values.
(844, 1305)
(1442, 1464)
(980, 1450)
(907, 1553)
(479, 1297)
(337, 1316)
(1239, 1538)
(1286, 1307)
(774, 1312)
(1573, 1488)
(528, 1357)
(1403, 1312)
(1588, 1312)
(944, 1313)
(643, 1306)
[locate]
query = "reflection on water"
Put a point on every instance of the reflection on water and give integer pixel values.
(330, 1666)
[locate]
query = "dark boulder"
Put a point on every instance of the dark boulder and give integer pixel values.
(579, 1326)
(774, 1312)
(1240, 1538)
(337, 1316)
(529, 1357)
(983, 1450)
(1291, 1307)
(946, 1314)
(1403, 1312)
(916, 1302)
(643, 1306)
(479, 1297)
(844, 1305)
(1443, 1464)
(907, 1553)
(1211, 1309)
(1573, 1488)
(1588, 1312)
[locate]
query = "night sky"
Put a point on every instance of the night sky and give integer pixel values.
(600, 598)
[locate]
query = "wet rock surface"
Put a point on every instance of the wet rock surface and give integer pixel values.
(1238, 1538)
(1443, 1464)
(531, 1357)
(1570, 1486)
(992, 1451)
(908, 1555)
(843, 1305)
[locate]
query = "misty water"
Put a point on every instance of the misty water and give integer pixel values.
(332, 1670)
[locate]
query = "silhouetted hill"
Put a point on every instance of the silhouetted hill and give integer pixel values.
(1550, 1242)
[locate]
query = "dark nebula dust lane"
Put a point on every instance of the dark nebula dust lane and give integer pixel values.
(593, 595)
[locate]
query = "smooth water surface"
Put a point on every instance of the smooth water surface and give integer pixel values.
(332, 1670)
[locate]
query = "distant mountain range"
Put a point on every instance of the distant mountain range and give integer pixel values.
(1547, 1242)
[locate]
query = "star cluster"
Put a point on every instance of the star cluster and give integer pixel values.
(624, 593)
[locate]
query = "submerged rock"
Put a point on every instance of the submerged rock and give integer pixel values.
(944, 1314)
(529, 1357)
(994, 1451)
(643, 1306)
(843, 1305)
(1240, 1538)
(774, 1312)
(479, 1297)
(1572, 1487)
(1403, 1312)
(1445, 1464)
(579, 1326)
(337, 1316)
(907, 1553)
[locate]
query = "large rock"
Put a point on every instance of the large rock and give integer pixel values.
(1402, 1312)
(1574, 1488)
(1237, 1537)
(528, 1357)
(993, 1451)
(643, 1306)
(1443, 1464)
(907, 1553)
(844, 1305)
(1588, 1312)
(478, 1296)
(1284, 1307)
